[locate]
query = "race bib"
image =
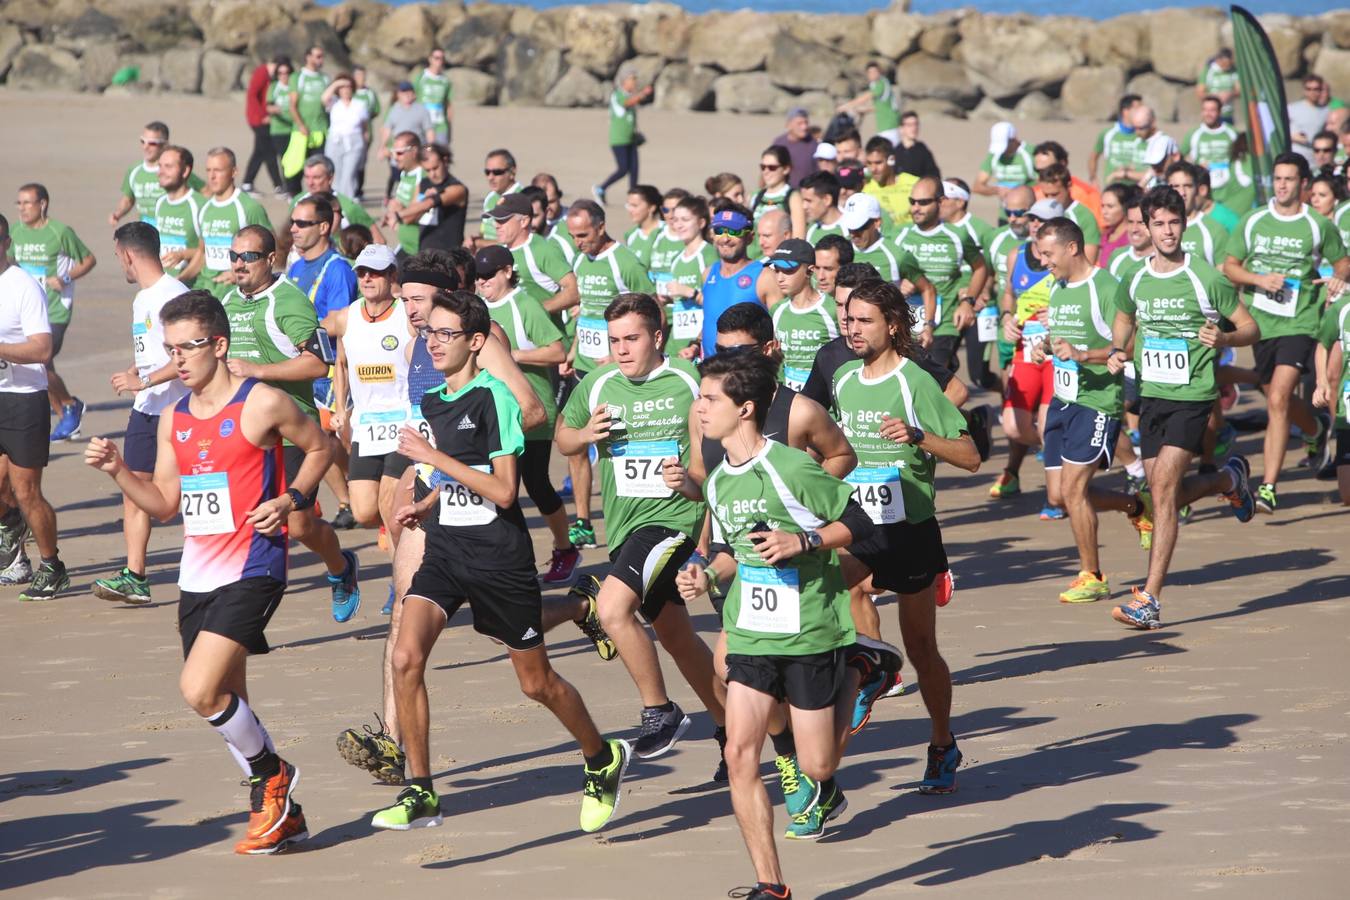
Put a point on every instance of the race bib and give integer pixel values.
(637, 467)
(795, 378)
(6, 375)
(1218, 174)
(462, 506)
(376, 430)
(592, 338)
(1130, 373)
(688, 320)
(140, 336)
(423, 427)
(431, 216)
(1066, 380)
(204, 501)
(771, 600)
(218, 252)
(1345, 400)
(917, 319)
(1166, 361)
(1282, 303)
(986, 324)
(877, 491)
(39, 274)
(661, 281)
(1033, 335)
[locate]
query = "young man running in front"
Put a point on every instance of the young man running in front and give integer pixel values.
(219, 463)
(480, 553)
(1177, 301)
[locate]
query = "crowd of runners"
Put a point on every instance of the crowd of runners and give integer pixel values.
(763, 379)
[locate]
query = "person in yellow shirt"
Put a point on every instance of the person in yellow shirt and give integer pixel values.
(891, 188)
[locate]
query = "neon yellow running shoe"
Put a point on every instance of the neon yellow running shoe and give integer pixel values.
(1143, 523)
(1006, 486)
(602, 791)
(1086, 588)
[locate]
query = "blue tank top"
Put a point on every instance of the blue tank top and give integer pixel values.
(720, 293)
(1024, 274)
(422, 375)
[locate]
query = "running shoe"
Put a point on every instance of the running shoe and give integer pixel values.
(11, 543)
(1040, 455)
(1141, 612)
(344, 519)
(383, 540)
(810, 824)
(1135, 485)
(374, 751)
(1266, 500)
(270, 800)
(978, 421)
(588, 586)
(1240, 497)
(388, 608)
(1223, 440)
(346, 591)
(799, 789)
(582, 535)
(1317, 449)
(720, 773)
(292, 830)
(1229, 395)
(1052, 513)
(940, 776)
(566, 489)
(247, 187)
(415, 808)
(1086, 588)
(761, 891)
(125, 587)
(1328, 471)
(598, 193)
(1006, 486)
(1143, 523)
(563, 566)
(877, 663)
(1133, 435)
(68, 427)
(1184, 515)
(660, 730)
(18, 572)
(897, 686)
(600, 795)
(49, 580)
(944, 588)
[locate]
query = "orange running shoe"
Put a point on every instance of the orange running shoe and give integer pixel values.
(945, 588)
(292, 830)
(270, 801)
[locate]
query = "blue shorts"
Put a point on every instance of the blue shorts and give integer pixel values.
(140, 446)
(1080, 435)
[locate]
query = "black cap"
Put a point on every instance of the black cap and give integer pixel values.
(794, 250)
(511, 205)
(850, 174)
(491, 259)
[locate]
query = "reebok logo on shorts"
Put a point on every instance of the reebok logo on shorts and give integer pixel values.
(465, 424)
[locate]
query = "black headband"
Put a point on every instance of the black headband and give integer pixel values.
(446, 281)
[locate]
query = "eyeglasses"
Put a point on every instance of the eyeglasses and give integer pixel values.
(495, 171)
(444, 335)
(720, 230)
(922, 201)
(769, 167)
(145, 143)
(304, 223)
(248, 256)
(1331, 149)
(1014, 213)
(736, 348)
(399, 151)
(186, 347)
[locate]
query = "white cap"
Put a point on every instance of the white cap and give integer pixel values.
(1045, 209)
(953, 191)
(1158, 149)
(825, 151)
(859, 209)
(1000, 135)
(376, 257)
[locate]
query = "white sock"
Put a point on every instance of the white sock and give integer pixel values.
(240, 728)
(1136, 468)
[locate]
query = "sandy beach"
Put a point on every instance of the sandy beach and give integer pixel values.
(1206, 757)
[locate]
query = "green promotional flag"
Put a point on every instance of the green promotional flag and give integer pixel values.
(1262, 96)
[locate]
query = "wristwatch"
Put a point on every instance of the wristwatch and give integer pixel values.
(916, 436)
(299, 500)
(813, 540)
(145, 382)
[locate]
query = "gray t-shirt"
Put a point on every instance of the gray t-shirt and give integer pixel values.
(1308, 119)
(414, 118)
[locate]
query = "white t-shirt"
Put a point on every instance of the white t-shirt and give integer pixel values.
(345, 119)
(23, 312)
(147, 338)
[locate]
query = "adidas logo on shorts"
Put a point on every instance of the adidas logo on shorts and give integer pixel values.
(529, 633)
(465, 424)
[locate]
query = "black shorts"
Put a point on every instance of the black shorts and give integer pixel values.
(373, 468)
(1342, 447)
(904, 557)
(293, 458)
(506, 603)
(1291, 350)
(565, 388)
(239, 611)
(812, 681)
(943, 351)
(924, 360)
(141, 444)
(648, 562)
(25, 428)
(1079, 435)
(1172, 423)
(58, 338)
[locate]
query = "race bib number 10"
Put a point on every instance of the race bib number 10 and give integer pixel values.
(1066, 380)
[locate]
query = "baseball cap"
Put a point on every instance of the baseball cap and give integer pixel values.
(825, 151)
(859, 209)
(1000, 135)
(405, 86)
(510, 205)
(491, 259)
(794, 252)
(729, 218)
(1045, 210)
(953, 191)
(1158, 148)
(376, 257)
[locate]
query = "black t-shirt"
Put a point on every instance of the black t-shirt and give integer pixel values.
(820, 383)
(448, 232)
(917, 160)
(476, 425)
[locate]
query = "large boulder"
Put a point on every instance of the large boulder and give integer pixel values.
(472, 87)
(646, 68)
(1122, 41)
(294, 40)
(42, 14)
(749, 92)
(820, 105)
(733, 42)
(923, 75)
(90, 27)
(939, 39)
(1286, 39)
(1158, 93)
(234, 24)
(221, 72)
(1336, 27)
(662, 29)
(526, 71)
(1006, 57)
(895, 32)
(474, 41)
(576, 87)
(843, 34)
(597, 40)
(100, 62)
(405, 33)
(40, 67)
(799, 64)
(546, 27)
(1181, 41)
(180, 70)
(1036, 107)
(1090, 92)
(1333, 64)
(683, 86)
(11, 40)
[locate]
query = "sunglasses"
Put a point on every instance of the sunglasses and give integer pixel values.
(363, 272)
(304, 223)
(1324, 149)
(922, 201)
(248, 256)
(769, 167)
(736, 348)
(667, 210)
(734, 232)
(495, 171)
(488, 274)
(399, 151)
(1015, 213)
(444, 335)
(187, 347)
(145, 143)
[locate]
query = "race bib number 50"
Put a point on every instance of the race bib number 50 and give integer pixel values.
(771, 600)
